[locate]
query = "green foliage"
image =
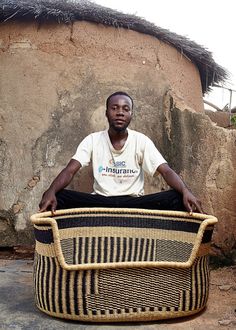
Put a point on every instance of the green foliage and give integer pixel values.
(233, 120)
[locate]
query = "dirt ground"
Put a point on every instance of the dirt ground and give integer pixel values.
(222, 299)
(17, 309)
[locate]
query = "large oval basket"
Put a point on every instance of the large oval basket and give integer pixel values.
(112, 265)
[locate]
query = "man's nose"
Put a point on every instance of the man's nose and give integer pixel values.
(120, 112)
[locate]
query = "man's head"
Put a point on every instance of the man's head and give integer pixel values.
(119, 111)
(119, 93)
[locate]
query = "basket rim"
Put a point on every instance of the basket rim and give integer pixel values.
(49, 214)
(46, 218)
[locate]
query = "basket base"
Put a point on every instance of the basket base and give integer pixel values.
(128, 317)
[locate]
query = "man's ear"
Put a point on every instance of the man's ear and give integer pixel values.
(106, 113)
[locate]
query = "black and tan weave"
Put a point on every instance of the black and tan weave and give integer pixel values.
(121, 265)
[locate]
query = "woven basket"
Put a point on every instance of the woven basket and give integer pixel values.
(112, 265)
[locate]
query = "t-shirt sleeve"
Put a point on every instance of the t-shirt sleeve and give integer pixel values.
(84, 151)
(152, 158)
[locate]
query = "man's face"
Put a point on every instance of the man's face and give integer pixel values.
(119, 112)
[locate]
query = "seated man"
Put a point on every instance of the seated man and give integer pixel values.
(119, 158)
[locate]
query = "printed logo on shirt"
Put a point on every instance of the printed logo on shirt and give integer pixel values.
(118, 167)
(117, 164)
(100, 169)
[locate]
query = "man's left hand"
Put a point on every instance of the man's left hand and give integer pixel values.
(191, 203)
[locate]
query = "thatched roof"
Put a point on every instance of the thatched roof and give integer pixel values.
(67, 11)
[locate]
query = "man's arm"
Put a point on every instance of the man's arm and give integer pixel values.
(174, 181)
(60, 182)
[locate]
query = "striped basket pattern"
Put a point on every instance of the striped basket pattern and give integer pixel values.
(112, 265)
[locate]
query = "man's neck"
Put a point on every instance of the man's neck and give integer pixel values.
(118, 139)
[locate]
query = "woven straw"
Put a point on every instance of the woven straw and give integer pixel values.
(112, 265)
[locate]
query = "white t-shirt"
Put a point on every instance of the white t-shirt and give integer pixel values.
(119, 172)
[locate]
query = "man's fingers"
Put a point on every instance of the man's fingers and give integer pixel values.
(188, 206)
(196, 206)
(191, 203)
(54, 206)
(192, 206)
(190, 210)
(44, 206)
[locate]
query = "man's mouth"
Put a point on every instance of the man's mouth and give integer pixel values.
(119, 121)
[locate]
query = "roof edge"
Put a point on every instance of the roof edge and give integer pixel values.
(68, 11)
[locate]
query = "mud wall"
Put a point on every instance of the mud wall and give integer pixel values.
(54, 80)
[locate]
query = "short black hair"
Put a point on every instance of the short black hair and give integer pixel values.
(119, 93)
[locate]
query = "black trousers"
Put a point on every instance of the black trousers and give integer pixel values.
(165, 200)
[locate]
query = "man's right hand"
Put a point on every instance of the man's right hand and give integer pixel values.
(48, 202)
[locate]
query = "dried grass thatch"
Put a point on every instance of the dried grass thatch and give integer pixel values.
(67, 11)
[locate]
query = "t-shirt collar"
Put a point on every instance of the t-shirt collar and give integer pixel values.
(111, 146)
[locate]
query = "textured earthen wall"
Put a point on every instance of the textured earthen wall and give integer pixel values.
(221, 119)
(54, 80)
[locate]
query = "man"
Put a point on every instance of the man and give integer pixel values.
(119, 158)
